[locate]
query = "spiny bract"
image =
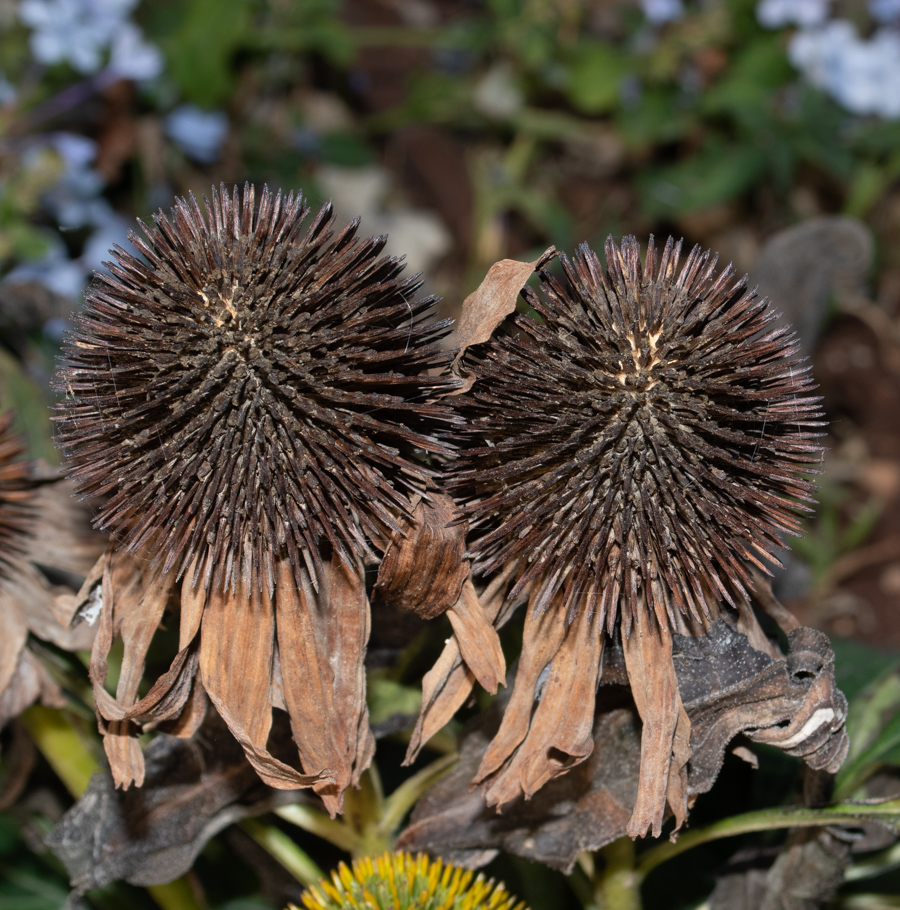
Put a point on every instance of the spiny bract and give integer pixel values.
(250, 390)
(640, 440)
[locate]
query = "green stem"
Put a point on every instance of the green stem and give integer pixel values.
(617, 883)
(62, 746)
(276, 843)
(407, 794)
(771, 820)
(342, 836)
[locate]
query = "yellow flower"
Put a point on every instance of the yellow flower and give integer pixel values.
(401, 881)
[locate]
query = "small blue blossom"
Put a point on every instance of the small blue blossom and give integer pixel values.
(131, 57)
(81, 32)
(861, 75)
(885, 11)
(198, 133)
(779, 13)
(662, 11)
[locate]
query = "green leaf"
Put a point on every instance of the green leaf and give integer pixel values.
(200, 53)
(873, 725)
(594, 78)
(716, 174)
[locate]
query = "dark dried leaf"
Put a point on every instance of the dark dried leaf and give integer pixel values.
(148, 836)
(726, 687)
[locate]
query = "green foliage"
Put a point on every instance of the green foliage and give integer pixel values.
(200, 50)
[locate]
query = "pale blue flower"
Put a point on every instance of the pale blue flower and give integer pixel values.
(861, 75)
(198, 133)
(82, 32)
(885, 11)
(131, 57)
(662, 11)
(779, 13)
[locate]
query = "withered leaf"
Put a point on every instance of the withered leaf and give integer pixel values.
(726, 687)
(132, 610)
(479, 644)
(424, 570)
(490, 303)
(665, 728)
(151, 835)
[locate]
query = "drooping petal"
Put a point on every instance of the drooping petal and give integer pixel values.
(322, 640)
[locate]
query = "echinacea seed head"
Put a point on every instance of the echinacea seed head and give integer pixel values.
(249, 388)
(639, 442)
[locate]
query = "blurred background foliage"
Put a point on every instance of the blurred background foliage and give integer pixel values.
(469, 131)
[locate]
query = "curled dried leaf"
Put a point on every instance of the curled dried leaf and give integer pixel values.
(423, 570)
(490, 303)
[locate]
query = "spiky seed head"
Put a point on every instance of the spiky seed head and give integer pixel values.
(641, 441)
(251, 389)
(16, 489)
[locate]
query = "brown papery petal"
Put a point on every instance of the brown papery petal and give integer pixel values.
(322, 639)
(133, 606)
(236, 648)
(666, 729)
(479, 643)
(424, 570)
(542, 636)
(447, 685)
(560, 734)
(13, 632)
(490, 303)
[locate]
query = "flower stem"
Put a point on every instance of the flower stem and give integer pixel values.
(887, 813)
(617, 882)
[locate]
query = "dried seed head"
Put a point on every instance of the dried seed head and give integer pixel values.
(251, 390)
(16, 489)
(641, 441)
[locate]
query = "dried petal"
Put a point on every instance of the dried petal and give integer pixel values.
(424, 568)
(322, 642)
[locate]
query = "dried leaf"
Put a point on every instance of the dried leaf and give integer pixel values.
(13, 633)
(30, 682)
(543, 634)
(152, 835)
(236, 649)
(424, 570)
(665, 731)
(490, 303)
(478, 641)
(132, 610)
(322, 640)
(726, 686)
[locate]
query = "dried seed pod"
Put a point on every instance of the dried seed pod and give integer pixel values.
(252, 398)
(16, 489)
(250, 389)
(641, 442)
